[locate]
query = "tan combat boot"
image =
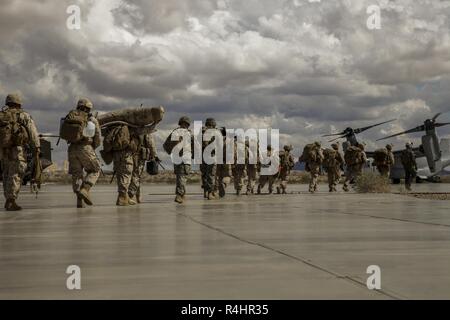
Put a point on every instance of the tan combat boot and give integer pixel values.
(122, 200)
(178, 199)
(84, 194)
(138, 197)
(13, 206)
(211, 196)
(278, 190)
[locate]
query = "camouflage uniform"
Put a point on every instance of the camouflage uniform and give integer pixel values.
(314, 168)
(238, 169)
(409, 165)
(286, 165)
(123, 168)
(251, 169)
(334, 169)
(146, 151)
(83, 159)
(14, 159)
(183, 169)
(223, 178)
(263, 179)
(385, 169)
(208, 171)
(355, 170)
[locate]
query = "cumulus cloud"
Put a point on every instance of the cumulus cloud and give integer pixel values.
(305, 67)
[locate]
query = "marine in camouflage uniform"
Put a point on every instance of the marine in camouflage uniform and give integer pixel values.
(314, 167)
(353, 171)
(409, 165)
(123, 165)
(251, 170)
(263, 179)
(13, 159)
(208, 171)
(146, 151)
(286, 165)
(84, 165)
(334, 168)
(238, 169)
(385, 168)
(183, 169)
(223, 173)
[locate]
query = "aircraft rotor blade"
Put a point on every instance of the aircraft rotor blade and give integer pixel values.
(370, 127)
(416, 129)
(441, 124)
(436, 116)
(341, 137)
(333, 134)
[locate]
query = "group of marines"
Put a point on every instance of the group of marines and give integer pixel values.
(128, 163)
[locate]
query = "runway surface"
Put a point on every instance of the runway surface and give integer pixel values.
(296, 246)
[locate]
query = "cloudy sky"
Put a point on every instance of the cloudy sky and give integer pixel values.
(305, 67)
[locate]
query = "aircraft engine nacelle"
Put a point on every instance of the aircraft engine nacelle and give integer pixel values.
(432, 150)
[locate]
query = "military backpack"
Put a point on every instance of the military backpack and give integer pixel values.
(310, 153)
(168, 144)
(12, 131)
(381, 157)
(117, 138)
(72, 126)
(329, 160)
(353, 156)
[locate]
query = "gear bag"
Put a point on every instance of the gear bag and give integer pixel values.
(152, 167)
(329, 158)
(116, 139)
(353, 155)
(381, 157)
(72, 126)
(309, 153)
(168, 144)
(12, 132)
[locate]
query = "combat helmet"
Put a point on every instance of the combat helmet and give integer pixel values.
(210, 123)
(84, 103)
(185, 120)
(361, 146)
(318, 144)
(13, 99)
(409, 145)
(335, 146)
(287, 148)
(389, 147)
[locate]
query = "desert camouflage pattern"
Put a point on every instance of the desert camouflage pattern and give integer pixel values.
(84, 165)
(14, 159)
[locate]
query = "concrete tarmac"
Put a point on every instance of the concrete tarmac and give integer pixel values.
(295, 246)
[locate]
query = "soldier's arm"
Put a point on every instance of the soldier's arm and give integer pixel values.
(32, 132)
(96, 139)
(151, 145)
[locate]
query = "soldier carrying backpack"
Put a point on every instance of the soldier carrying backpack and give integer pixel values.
(286, 164)
(384, 160)
(82, 132)
(333, 163)
(355, 159)
(313, 157)
(17, 131)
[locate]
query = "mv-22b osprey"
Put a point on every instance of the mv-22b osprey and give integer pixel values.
(433, 155)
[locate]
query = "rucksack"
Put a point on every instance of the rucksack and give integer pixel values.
(152, 167)
(309, 153)
(381, 157)
(12, 132)
(168, 144)
(117, 138)
(329, 158)
(353, 156)
(72, 126)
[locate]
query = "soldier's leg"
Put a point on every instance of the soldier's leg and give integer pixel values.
(262, 182)
(330, 175)
(210, 180)
(181, 172)
(251, 177)
(76, 170)
(91, 166)
(123, 167)
(271, 181)
(13, 172)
